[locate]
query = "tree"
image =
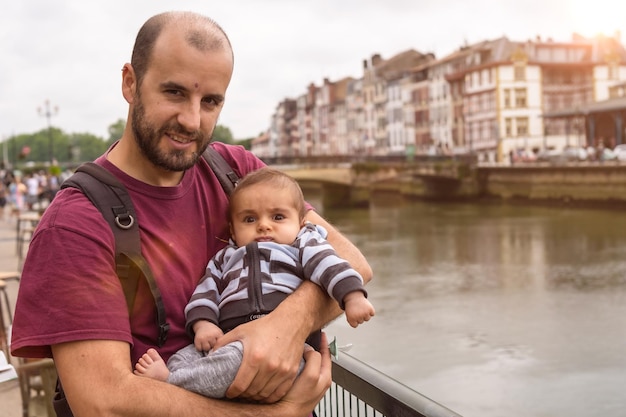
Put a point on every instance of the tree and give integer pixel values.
(223, 134)
(85, 147)
(38, 144)
(115, 131)
(246, 143)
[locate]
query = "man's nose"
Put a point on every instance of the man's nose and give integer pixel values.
(189, 116)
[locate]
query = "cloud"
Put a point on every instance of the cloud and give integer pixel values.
(71, 51)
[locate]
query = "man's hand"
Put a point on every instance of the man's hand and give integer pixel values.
(271, 357)
(313, 382)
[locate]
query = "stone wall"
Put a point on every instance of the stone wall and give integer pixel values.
(576, 184)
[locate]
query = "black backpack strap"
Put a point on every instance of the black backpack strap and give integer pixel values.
(222, 169)
(111, 198)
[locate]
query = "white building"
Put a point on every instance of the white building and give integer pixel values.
(492, 99)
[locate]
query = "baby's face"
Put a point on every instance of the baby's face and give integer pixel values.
(264, 214)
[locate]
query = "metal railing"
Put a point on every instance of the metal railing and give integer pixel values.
(360, 390)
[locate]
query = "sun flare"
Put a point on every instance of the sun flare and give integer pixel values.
(598, 17)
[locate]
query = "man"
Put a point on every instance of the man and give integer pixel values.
(70, 304)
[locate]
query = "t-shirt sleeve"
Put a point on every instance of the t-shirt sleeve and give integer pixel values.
(83, 296)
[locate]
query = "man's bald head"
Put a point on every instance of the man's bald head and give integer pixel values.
(199, 31)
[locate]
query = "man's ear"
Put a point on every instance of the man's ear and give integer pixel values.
(129, 83)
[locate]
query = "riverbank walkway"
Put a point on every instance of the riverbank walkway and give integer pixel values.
(10, 397)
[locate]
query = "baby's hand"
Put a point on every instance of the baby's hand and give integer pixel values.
(206, 335)
(358, 308)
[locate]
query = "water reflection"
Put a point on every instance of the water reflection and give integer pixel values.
(495, 310)
(486, 246)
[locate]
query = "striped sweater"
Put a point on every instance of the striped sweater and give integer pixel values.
(243, 283)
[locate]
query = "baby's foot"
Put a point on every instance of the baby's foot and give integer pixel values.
(152, 365)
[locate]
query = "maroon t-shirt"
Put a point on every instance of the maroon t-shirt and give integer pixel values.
(69, 290)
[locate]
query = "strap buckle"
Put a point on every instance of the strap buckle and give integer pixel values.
(163, 330)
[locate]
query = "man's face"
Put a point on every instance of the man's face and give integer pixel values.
(176, 107)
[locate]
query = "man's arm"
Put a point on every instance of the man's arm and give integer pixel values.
(98, 381)
(272, 344)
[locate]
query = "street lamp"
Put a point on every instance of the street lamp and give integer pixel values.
(47, 112)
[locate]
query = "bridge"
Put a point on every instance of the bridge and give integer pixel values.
(339, 175)
(574, 183)
(335, 184)
(352, 183)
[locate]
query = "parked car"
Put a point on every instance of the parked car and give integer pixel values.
(522, 155)
(608, 155)
(548, 155)
(620, 152)
(574, 154)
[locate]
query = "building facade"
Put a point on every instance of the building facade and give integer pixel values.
(490, 99)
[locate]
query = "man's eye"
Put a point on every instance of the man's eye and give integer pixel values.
(211, 103)
(175, 93)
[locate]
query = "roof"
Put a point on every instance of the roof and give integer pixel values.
(341, 88)
(400, 63)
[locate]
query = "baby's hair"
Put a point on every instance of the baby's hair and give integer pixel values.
(276, 178)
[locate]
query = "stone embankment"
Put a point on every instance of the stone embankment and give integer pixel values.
(597, 184)
(591, 184)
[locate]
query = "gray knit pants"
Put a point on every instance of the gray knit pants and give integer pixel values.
(209, 375)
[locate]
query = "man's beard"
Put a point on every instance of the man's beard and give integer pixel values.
(148, 138)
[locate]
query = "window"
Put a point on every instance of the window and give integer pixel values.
(520, 97)
(613, 71)
(485, 130)
(522, 126)
(508, 127)
(520, 72)
(491, 102)
(397, 115)
(507, 98)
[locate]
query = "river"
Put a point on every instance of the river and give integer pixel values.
(494, 310)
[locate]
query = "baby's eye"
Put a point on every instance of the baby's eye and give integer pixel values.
(249, 219)
(279, 217)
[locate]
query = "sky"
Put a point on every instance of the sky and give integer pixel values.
(70, 52)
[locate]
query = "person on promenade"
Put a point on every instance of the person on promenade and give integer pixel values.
(175, 86)
(4, 191)
(17, 195)
(271, 251)
(33, 189)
